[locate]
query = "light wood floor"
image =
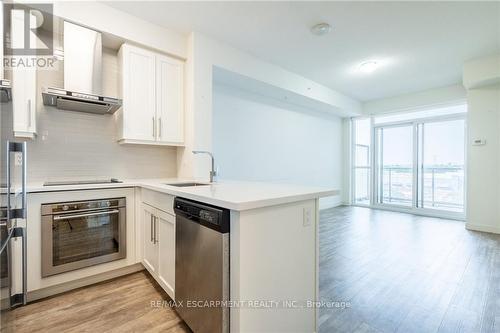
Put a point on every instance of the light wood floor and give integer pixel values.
(404, 273)
(119, 305)
(398, 272)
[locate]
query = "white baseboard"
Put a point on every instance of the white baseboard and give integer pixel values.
(483, 228)
(61, 288)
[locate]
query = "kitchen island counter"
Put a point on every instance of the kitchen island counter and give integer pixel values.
(273, 241)
(234, 195)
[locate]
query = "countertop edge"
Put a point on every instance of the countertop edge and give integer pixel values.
(237, 206)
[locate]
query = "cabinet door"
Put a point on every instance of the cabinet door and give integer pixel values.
(30, 91)
(23, 101)
(138, 89)
(150, 247)
(170, 99)
(166, 242)
(23, 85)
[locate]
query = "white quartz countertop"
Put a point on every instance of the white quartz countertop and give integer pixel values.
(235, 195)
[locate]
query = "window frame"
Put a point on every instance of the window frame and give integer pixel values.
(372, 167)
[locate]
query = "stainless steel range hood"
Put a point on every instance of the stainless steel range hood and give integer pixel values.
(82, 74)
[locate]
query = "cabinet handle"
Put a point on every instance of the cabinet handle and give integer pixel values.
(153, 126)
(159, 127)
(29, 113)
(151, 228)
(154, 234)
(156, 229)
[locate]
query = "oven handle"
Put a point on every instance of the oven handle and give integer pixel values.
(65, 217)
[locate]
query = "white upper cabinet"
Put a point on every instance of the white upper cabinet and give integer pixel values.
(152, 89)
(138, 94)
(170, 99)
(24, 102)
(23, 86)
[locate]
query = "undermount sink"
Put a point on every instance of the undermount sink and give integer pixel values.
(186, 184)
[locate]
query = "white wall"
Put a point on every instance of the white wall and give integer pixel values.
(99, 16)
(426, 99)
(258, 138)
(483, 162)
(482, 72)
(205, 53)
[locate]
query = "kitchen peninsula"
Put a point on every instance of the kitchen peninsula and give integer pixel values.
(273, 242)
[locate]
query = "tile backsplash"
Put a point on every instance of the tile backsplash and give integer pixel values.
(81, 145)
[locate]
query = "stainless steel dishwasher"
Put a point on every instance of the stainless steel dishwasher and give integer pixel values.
(202, 265)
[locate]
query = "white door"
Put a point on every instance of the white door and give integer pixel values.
(150, 250)
(139, 106)
(170, 99)
(166, 242)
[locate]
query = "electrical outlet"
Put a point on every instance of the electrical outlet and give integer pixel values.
(307, 217)
(18, 159)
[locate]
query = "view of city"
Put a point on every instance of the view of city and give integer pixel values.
(442, 187)
(441, 179)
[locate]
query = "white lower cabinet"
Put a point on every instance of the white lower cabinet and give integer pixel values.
(166, 247)
(159, 246)
(150, 249)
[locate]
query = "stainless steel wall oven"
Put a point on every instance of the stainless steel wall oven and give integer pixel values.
(82, 233)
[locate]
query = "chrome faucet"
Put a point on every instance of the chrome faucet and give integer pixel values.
(213, 173)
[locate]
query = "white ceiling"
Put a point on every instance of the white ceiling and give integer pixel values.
(422, 45)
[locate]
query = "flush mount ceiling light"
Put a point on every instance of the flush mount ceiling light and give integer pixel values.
(368, 67)
(321, 29)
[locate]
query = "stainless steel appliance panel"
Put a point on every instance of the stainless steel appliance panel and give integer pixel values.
(202, 265)
(13, 207)
(82, 234)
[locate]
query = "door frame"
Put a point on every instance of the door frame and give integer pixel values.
(414, 209)
(378, 150)
(352, 163)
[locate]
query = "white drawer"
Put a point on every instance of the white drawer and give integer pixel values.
(162, 201)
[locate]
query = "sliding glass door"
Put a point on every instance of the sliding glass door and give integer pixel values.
(395, 165)
(441, 165)
(420, 165)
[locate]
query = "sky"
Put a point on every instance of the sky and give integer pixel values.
(444, 142)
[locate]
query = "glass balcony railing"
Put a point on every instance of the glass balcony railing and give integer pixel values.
(441, 187)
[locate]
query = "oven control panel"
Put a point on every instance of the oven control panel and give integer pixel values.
(78, 206)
